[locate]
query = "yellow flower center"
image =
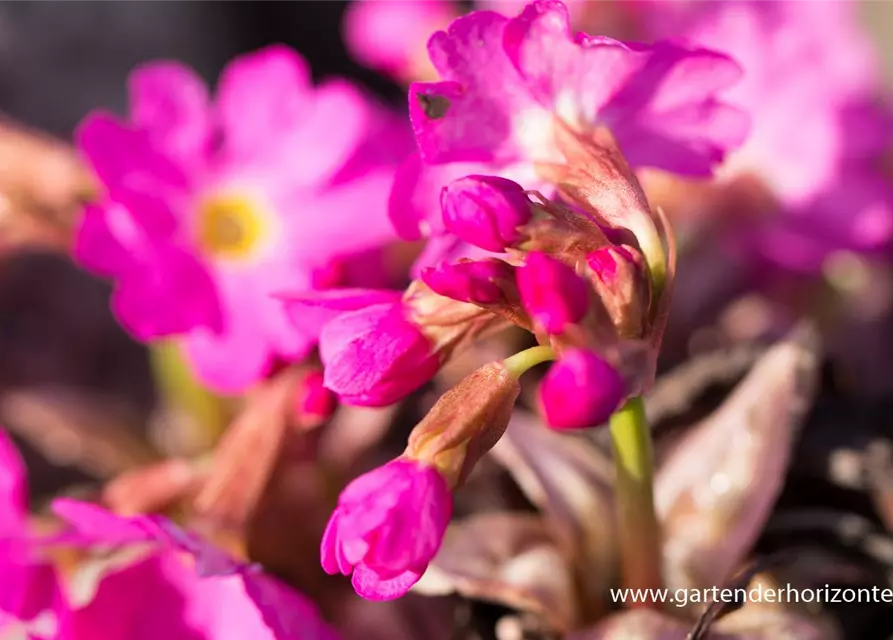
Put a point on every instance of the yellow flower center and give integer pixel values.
(230, 226)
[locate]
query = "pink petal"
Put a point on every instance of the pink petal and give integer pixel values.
(552, 293)
(274, 119)
(468, 116)
(12, 487)
(167, 292)
(126, 158)
(370, 586)
(311, 310)
(170, 102)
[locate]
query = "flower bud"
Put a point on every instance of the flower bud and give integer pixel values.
(485, 211)
(623, 286)
(552, 293)
(465, 422)
(580, 390)
(479, 282)
(387, 527)
(313, 402)
(375, 356)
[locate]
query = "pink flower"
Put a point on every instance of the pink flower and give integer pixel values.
(505, 82)
(184, 587)
(374, 356)
(552, 293)
(210, 209)
(485, 211)
(580, 390)
(370, 27)
(816, 136)
(387, 527)
(470, 281)
(12, 487)
(313, 402)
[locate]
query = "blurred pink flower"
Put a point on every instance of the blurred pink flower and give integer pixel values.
(371, 29)
(387, 527)
(376, 355)
(817, 133)
(552, 293)
(210, 208)
(183, 587)
(505, 81)
(581, 390)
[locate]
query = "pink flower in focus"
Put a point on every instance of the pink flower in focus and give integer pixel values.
(211, 208)
(485, 211)
(374, 356)
(505, 81)
(387, 527)
(552, 293)
(580, 390)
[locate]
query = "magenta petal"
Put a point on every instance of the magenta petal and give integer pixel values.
(93, 525)
(166, 294)
(311, 310)
(581, 390)
(485, 211)
(375, 356)
(552, 293)
(370, 586)
(96, 248)
(469, 116)
(12, 487)
(171, 103)
(470, 281)
(124, 157)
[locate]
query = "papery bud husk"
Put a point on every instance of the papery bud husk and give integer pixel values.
(466, 422)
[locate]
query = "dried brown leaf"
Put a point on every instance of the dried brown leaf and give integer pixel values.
(507, 558)
(570, 480)
(717, 488)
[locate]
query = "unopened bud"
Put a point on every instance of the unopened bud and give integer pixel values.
(485, 211)
(466, 422)
(313, 402)
(580, 390)
(619, 278)
(552, 293)
(481, 282)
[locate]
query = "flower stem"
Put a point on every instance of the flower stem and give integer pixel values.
(640, 547)
(524, 361)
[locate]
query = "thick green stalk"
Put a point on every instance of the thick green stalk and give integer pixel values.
(640, 540)
(523, 361)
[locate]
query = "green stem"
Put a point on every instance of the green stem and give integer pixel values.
(640, 547)
(523, 361)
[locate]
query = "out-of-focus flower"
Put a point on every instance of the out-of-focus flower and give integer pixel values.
(552, 293)
(387, 527)
(817, 132)
(313, 403)
(506, 82)
(210, 209)
(580, 390)
(371, 29)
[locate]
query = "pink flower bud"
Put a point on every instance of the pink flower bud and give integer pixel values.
(470, 281)
(375, 356)
(313, 403)
(387, 527)
(580, 390)
(485, 211)
(553, 294)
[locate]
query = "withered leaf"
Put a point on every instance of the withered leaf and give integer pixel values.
(570, 480)
(507, 558)
(247, 454)
(715, 491)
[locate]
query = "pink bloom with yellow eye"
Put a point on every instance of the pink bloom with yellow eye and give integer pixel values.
(211, 208)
